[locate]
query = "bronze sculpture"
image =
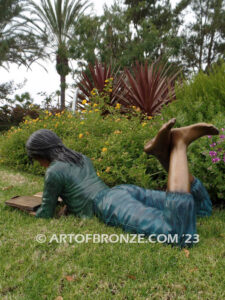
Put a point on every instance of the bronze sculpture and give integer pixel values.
(71, 175)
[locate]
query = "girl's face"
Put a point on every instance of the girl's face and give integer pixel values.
(43, 162)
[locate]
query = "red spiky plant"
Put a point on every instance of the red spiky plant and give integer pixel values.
(149, 87)
(96, 78)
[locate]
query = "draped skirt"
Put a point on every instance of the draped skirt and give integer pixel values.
(159, 213)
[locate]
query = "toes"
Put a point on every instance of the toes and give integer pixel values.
(214, 130)
(171, 123)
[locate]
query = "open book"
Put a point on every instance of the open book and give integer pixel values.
(28, 203)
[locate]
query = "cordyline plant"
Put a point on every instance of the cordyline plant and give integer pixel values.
(149, 87)
(96, 80)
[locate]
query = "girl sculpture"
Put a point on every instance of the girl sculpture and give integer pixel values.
(71, 176)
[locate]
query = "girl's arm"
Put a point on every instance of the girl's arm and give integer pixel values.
(52, 189)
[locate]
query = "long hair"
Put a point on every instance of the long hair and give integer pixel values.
(47, 145)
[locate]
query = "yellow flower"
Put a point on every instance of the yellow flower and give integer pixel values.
(56, 125)
(90, 111)
(82, 123)
(104, 149)
(84, 101)
(117, 120)
(150, 117)
(96, 109)
(98, 174)
(106, 80)
(50, 114)
(144, 124)
(110, 90)
(117, 132)
(111, 78)
(84, 111)
(81, 135)
(95, 104)
(45, 125)
(118, 106)
(134, 107)
(107, 169)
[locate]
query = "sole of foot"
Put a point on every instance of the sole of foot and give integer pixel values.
(161, 141)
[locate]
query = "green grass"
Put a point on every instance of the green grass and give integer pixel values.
(30, 270)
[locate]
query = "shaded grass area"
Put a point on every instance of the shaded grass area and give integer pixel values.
(30, 270)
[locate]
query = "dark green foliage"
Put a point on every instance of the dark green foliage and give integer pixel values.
(85, 40)
(200, 99)
(6, 89)
(18, 43)
(120, 38)
(15, 110)
(203, 38)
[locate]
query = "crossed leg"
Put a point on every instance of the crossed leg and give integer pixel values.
(170, 147)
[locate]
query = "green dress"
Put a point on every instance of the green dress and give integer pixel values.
(135, 209)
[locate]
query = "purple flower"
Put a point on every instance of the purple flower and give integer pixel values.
(216, 159)
(212, 145)
(222, 136)
(212, 153)
(222, 129)
(209, 136)
(224, 158)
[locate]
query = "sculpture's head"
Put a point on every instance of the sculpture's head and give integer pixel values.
(45, 146)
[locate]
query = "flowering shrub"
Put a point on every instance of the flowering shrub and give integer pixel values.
(114, 143)
(218, 145)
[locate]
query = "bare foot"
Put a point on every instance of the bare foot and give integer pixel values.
(189, 134)
(160, 143)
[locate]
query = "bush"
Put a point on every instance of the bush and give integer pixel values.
(200, 99)
(114, 143)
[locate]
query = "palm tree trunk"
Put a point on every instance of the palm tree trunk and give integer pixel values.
(63, 88)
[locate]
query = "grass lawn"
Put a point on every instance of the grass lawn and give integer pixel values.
(30, 270)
